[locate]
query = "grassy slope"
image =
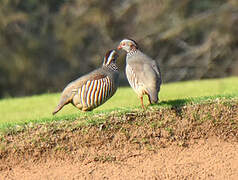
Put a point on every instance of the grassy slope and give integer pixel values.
(39, 108)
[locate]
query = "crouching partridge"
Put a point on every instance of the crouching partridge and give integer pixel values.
(93, 89)
(142, 72)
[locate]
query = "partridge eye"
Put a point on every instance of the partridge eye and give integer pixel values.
(123, 44)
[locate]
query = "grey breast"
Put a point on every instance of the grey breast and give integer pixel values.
(141, 70)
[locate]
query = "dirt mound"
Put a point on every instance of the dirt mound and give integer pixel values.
(178, 142)
(205, 159)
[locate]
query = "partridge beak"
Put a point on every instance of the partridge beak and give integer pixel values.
(119, 47)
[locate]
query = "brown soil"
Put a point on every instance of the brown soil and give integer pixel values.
(206, 159)
(189, 142)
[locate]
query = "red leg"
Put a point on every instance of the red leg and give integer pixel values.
(141, 100)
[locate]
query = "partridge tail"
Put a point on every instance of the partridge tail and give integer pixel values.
(153, 97)
(61, 104)
(66, 98)
(58, 108)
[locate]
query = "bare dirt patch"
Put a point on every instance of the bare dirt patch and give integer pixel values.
(195, 141)
(205, 159)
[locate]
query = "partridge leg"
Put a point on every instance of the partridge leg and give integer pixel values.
(141, 100)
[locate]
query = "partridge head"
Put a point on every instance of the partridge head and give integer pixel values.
(128, 45)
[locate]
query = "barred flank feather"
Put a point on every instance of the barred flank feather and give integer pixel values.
(95, 92)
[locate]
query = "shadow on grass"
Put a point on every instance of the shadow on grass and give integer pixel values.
(175, 103)
(181, 102)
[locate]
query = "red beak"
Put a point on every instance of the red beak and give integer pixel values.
(119, 47)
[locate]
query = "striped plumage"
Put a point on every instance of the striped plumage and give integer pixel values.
(93, 89)
(142, 72)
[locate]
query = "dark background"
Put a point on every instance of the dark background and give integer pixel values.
(45, 44)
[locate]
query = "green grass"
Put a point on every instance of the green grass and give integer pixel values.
(39, 108)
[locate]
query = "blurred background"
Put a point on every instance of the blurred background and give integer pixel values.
(47, 43)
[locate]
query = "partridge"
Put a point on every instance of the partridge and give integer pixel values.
(93, 89)
(142, 72)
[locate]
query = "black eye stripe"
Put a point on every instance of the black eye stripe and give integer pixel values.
(108, 54)
(110, 57)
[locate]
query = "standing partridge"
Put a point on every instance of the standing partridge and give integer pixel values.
(93, 89)
(142, 72)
